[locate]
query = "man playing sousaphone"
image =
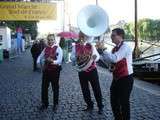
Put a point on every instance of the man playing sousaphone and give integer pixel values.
(85, 55)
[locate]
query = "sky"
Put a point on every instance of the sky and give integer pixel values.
(116, 9)
(124, 9)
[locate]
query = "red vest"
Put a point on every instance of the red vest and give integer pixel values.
(120, 68)
(82, 52)
(50, 52)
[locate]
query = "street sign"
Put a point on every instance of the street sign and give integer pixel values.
(27, 11)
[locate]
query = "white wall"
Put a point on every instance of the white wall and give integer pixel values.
(6, 37)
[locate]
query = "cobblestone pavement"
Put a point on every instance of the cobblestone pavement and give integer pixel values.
(20, 93)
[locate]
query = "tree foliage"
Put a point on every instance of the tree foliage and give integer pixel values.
(148, 29)
(129, 30)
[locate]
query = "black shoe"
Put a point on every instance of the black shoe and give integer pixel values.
(89, 108)
(100, 110)
(34, 70)
(43, 107)
(55, 107)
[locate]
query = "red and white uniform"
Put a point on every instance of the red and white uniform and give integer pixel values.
(50, 52)
(83, 50)
(54, 52)
(121, 58)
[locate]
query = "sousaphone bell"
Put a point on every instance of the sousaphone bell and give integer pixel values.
(92, 20)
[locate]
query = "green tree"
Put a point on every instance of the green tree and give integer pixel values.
(29, 27)
(148, 29)
(129, 31)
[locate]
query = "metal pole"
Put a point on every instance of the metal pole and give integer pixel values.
(135, 30)
(63, 15)
(96, 2)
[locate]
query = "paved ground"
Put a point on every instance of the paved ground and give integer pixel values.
(20, 90)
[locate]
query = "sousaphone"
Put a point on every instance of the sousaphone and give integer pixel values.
(92, 20)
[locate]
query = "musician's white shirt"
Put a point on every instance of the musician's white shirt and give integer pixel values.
(73, 53)
(59, 57)
(124, 52)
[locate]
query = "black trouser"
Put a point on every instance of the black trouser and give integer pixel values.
(92, 77)
(35, 63)
(53, 77)
(120, 93)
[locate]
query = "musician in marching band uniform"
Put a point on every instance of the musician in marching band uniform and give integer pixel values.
(51, 58)
(121, 59)
(86, 55)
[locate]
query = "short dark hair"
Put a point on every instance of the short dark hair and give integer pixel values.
(81, 33)
(51, 37)
(119, 31)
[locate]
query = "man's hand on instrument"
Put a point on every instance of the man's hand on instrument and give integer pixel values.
(94, 57)
(52, 63)
(100, 51)
(50, 60)
(100, 47)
